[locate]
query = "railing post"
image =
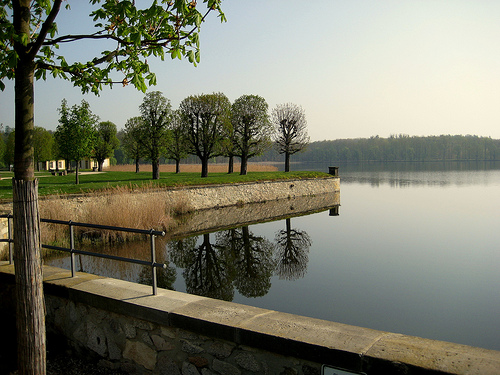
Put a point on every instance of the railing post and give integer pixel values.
(9, 234)
(72, 247)
(153, 261)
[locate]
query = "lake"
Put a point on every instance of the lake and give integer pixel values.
(414, 249)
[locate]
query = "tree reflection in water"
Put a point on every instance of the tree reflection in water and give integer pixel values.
(252, 259)
(165, 277)
(292, 252)
(206, 269)
(240, 259)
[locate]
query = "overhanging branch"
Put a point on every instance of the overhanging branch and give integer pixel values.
(45, 29)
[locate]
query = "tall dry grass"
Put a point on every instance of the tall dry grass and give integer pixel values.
(213, 168)
(114, 207)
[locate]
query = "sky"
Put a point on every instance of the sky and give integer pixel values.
(358, 68)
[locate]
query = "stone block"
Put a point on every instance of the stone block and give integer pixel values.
(225, 368)
(247, 361)
(160, 343)
(219, 349)
(166, 366)
(168, 332)
(191, 348)
(140, 353)
(96, 339)
(198, 361)
(189, 369)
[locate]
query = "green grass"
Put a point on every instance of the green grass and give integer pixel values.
(62, 185)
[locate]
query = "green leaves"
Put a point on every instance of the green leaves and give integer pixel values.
(161, 27)
(75, 134)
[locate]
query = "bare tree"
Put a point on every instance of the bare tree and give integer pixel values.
(290, 134)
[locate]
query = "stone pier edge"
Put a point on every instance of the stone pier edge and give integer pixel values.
(322, 342)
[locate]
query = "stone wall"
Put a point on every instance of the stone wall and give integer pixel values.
(217, 196)
(129, 329)
(202, 221)
(280, 198)
(139, 346)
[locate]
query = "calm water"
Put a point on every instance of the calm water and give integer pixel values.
(415, 249)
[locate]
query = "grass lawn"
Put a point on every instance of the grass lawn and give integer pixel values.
(61, 185)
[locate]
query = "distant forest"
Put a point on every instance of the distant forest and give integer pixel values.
(396, 148)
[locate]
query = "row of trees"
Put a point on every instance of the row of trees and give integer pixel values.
(208, 126)
(205, 126)
(399, 148)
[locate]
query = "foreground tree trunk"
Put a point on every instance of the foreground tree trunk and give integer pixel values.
(30, 307)
(177, 166)
(137, 165)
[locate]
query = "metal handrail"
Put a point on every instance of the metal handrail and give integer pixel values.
(71, 224)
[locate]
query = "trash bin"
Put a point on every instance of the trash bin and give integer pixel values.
(334, 171)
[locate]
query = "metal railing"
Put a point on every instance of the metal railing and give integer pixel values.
(71, 224)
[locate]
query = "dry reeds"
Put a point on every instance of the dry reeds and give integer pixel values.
(117, 206)
(213, 168)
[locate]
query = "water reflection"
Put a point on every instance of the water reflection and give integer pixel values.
(418, 257)
(251, 257)
(214, 266)
(292, 252)
(216, 263)
(165, 277)
(414, 174)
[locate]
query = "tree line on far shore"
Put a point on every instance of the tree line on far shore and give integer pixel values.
(243, 129)
(206, 126)
(398, 148)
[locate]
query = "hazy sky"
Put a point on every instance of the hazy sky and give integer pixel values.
(358, 68)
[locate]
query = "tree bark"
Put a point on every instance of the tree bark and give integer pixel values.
(156, 169)
(287, 162)
(30, 307)
(77, 180)
(204, 167)
(137, 165)
(177, 166)
(230, 166)
(243, 167)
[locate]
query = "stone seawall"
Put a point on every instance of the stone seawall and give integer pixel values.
(217, 196)
(174, 333)
(280, 197)
(202, 221)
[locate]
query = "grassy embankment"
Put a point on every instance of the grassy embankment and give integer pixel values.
(121, 209)
(94, 182)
